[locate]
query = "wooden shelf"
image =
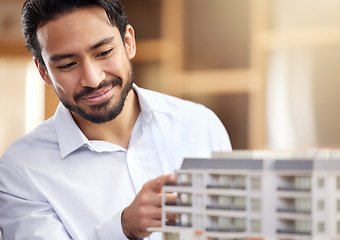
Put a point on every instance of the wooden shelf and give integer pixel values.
(148, 51)
(210, 82)
(293, 38)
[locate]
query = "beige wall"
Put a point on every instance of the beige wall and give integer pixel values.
(303, 80)
(12, 107)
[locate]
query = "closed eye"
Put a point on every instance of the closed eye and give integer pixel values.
(67, 66)
(105, 53)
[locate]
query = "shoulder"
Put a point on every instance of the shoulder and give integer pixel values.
(164, 103)
(187, 125)
(41, 137)
(184, 114)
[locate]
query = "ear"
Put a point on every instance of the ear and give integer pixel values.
(43, 72)
(130, 41)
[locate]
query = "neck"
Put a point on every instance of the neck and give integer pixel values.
(117, 131)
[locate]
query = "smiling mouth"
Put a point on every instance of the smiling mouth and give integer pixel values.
(98, 96)
(97, 93)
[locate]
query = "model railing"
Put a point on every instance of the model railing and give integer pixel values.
(178, 204)
(293, 189)
(227, 187)
(178, 224)
(231, 229)
(231, 208)
(294, 232)
(286, 210)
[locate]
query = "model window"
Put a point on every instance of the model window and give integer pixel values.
(302, 183)
(256, 183)
(256, 226)
(184, 179)
(303, 205)
(303, 226)
(224, 181)
(338, 205)
(184, 199)
(240, 182)
(338, 183)
(185, 219)
(171, 236)
(321, 183)
(224, 202)
(256, 205)
(321, 227)
(224, 223)
(321, 205)
(240, 224)
(239, 203)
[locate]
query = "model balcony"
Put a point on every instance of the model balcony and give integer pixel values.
(179, 184)
(294, 232)
(178, 204)
(293, 189)
(293, 206)
(226, 181)
(229, 230)
(227, 187)
(183, 200)
(282, 210)
(295, 227)
(182, 220)
(178, 224)
(226, 224)
(228, 208)
(294, 183)
(229, 203)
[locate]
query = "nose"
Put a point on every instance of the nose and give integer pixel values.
(92, 74)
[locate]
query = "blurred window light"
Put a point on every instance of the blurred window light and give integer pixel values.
(34, 98)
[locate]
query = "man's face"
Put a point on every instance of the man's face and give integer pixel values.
(87, 63)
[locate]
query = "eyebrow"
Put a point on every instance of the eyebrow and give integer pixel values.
(58, 57)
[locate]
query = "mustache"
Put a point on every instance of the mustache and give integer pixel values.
(89, 90)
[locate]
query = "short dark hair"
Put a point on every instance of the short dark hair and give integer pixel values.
(36, 13)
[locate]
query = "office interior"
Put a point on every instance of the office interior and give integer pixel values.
(268, 68)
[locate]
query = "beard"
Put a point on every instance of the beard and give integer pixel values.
(103, 112)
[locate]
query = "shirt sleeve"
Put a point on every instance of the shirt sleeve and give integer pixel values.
(22, 214)
(110, 228)
(218, 134)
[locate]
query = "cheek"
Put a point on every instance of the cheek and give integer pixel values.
(63, 86)
(118, 65)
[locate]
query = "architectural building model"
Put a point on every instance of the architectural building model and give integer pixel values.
(253, 195)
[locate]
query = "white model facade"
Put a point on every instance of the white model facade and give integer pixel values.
(256, 195)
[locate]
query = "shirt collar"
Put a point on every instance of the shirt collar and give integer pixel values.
(69, 135)
(150, 101)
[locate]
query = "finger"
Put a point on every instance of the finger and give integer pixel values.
(157, 184)
(151, 212)
(151, 223)
(171, 216)
(151, 199)
(171, 197)
(156, 199)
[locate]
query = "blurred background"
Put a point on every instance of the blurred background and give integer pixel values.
(268, 68)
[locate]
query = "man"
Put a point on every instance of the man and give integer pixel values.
(96, 168)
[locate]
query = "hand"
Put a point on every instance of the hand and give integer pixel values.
(145, 211)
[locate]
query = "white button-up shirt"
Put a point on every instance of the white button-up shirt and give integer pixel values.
(57, 184)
